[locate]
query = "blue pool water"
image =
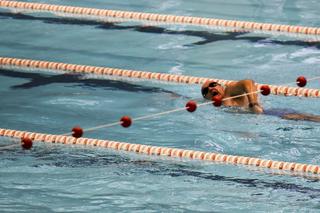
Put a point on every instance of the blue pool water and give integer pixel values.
(59, 178)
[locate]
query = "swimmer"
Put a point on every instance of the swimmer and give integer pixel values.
(250, 101)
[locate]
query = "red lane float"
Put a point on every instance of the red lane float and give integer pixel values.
(126, 121)
(217, 100)
(265, 90)
(26, 143)
(77, 132)
(191, 106)
(301, 81)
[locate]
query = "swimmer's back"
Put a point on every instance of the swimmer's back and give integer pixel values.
(291, 114)
(279, 112)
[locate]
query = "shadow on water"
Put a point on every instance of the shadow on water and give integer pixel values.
(130, 166)
(206, 36)
(37, 80)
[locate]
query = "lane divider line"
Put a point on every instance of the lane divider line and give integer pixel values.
(135, 74)
(162, 18)
(165, 151)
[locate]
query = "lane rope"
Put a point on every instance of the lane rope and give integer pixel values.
(164, 151)
(143, 75)
(191, 106)
(162, 18)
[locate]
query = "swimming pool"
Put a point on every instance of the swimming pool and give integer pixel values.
(58, 178)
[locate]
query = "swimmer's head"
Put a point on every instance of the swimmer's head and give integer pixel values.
(212, 88)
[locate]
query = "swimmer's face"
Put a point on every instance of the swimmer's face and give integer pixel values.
(211, 88)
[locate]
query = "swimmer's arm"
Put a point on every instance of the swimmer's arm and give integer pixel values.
(303, 117)
(248, 86)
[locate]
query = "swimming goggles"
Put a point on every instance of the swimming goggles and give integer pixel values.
(205, 90)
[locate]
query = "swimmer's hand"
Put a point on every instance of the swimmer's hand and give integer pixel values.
(256, 108)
